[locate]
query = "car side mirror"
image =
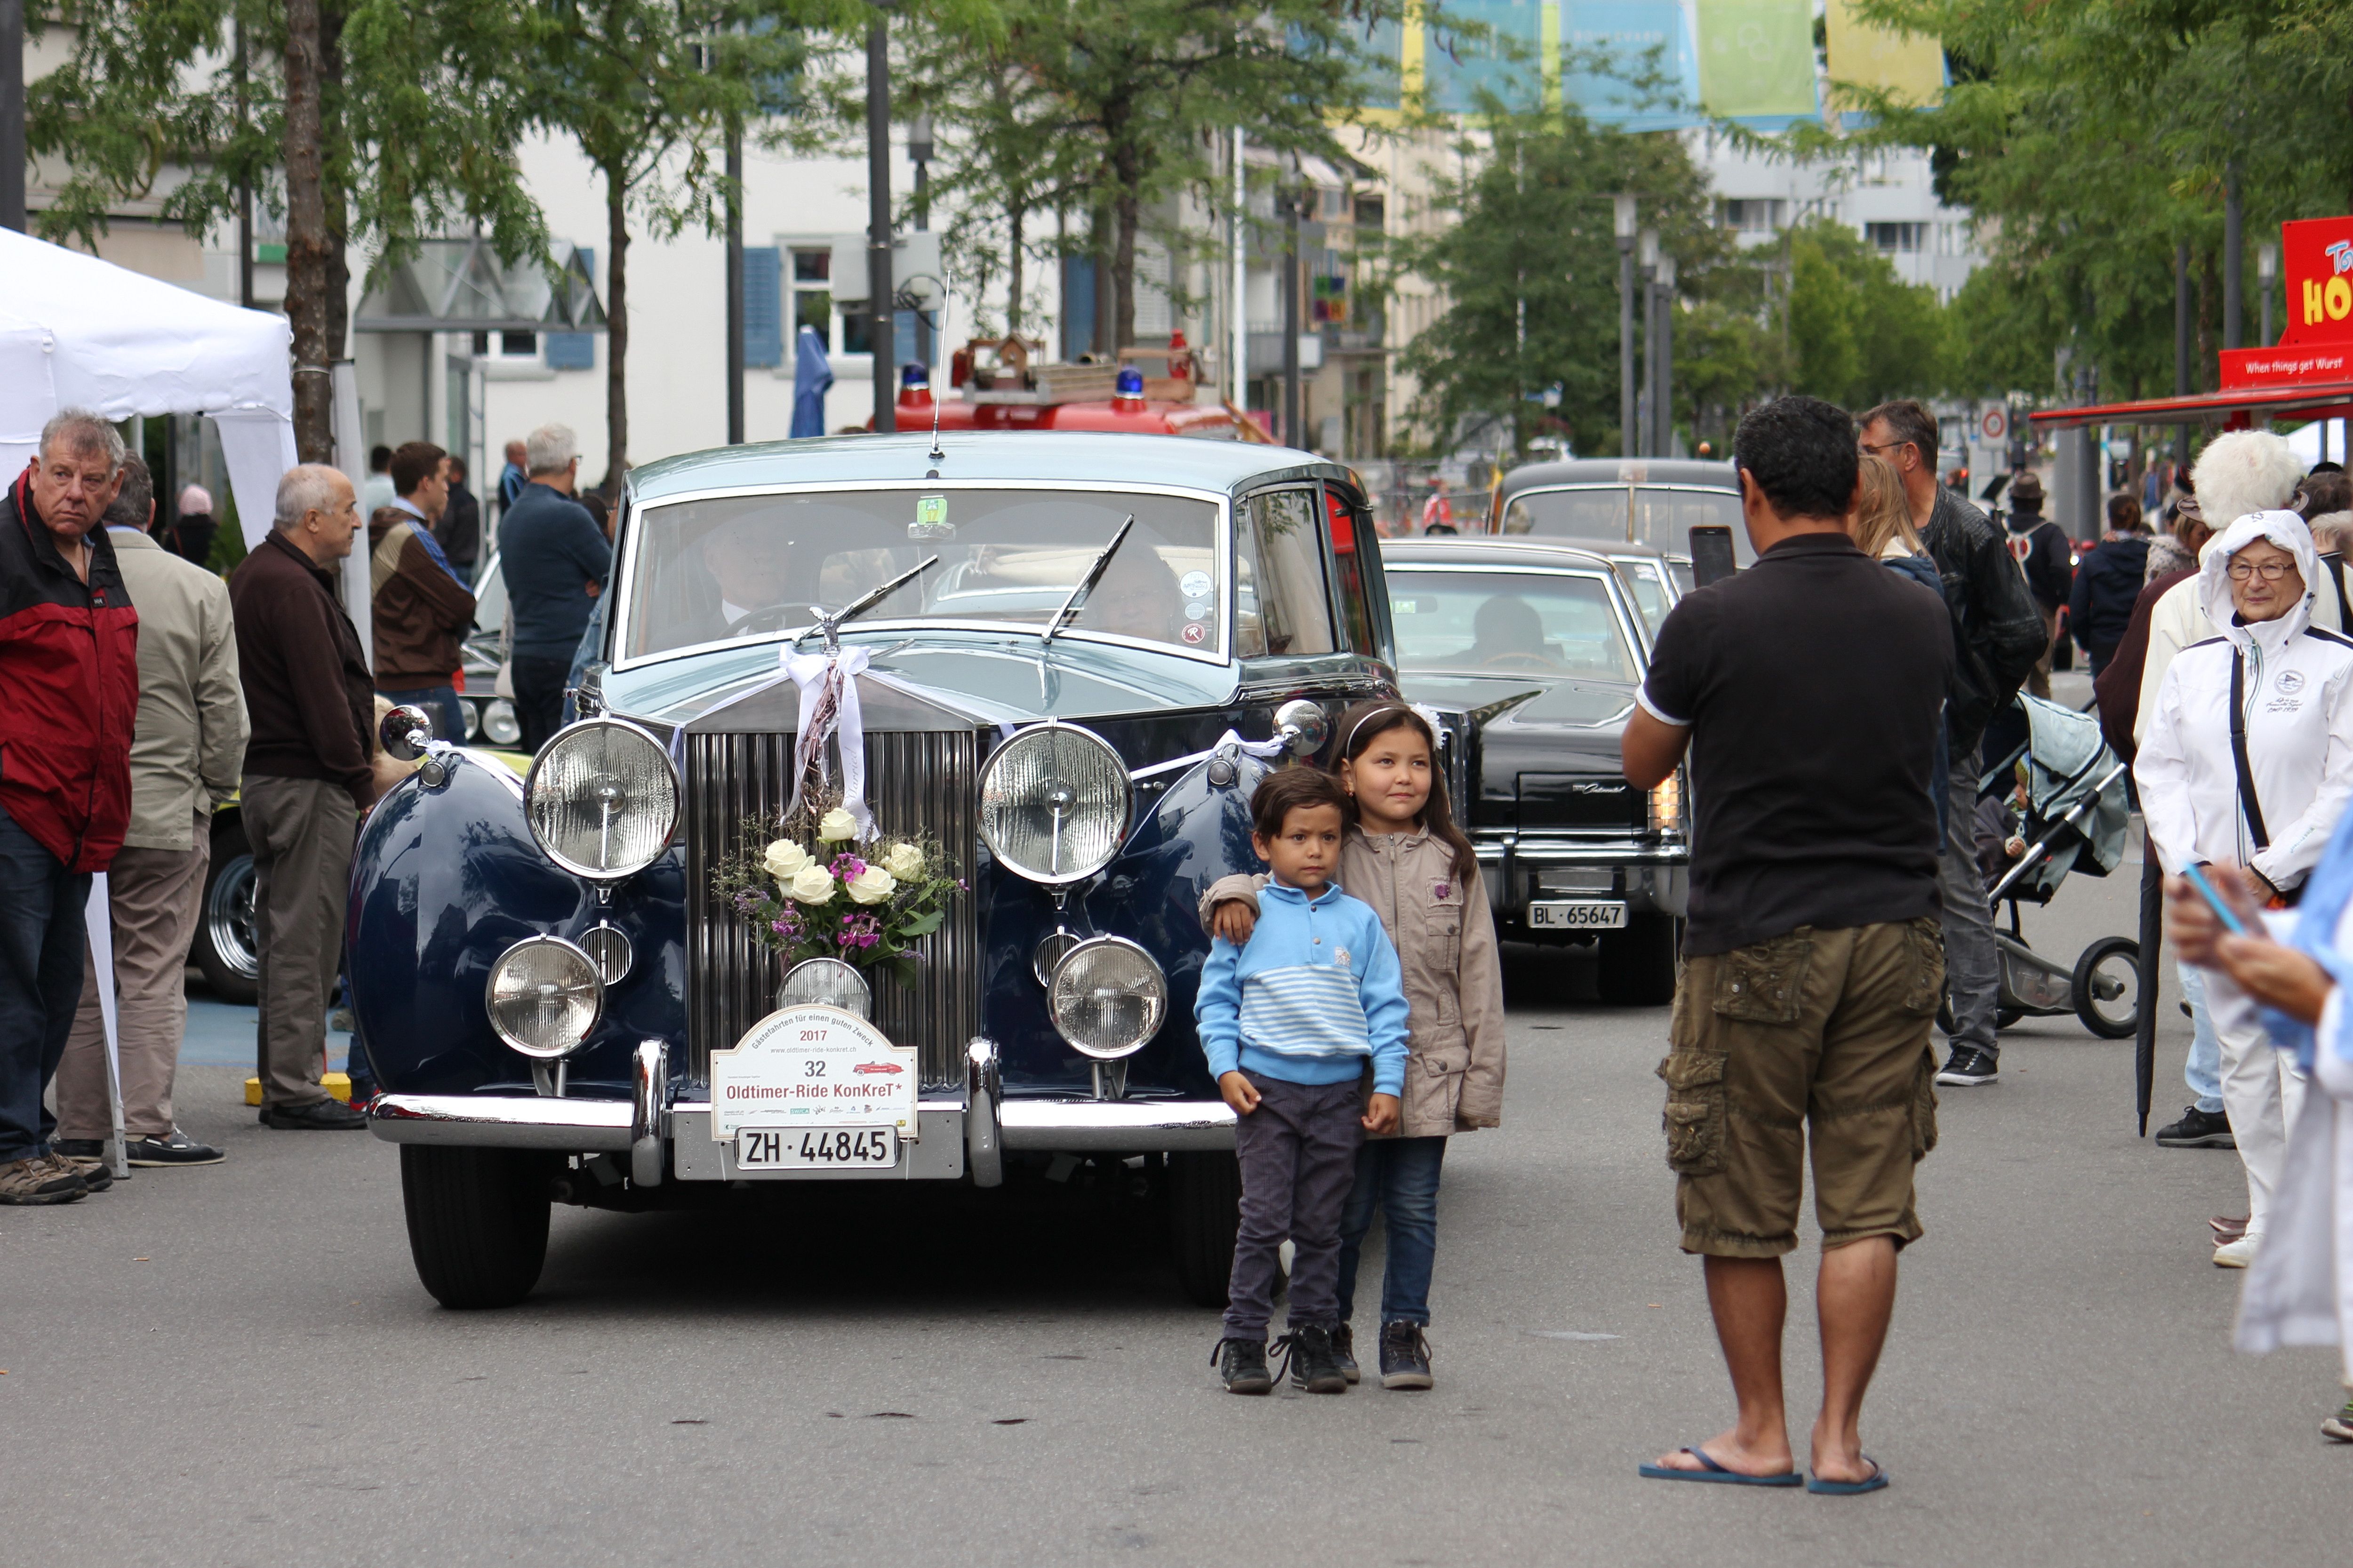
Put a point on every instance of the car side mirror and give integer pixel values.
(1711, 553)
(1302, 726)
(405, 733)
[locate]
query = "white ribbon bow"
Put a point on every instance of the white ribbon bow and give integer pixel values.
(829, 687)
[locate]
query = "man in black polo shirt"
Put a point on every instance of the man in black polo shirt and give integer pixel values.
(1809, 691)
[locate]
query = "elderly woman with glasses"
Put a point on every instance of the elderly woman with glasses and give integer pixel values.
(2248, 764)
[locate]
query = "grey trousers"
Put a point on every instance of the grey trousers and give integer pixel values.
(1972, 965)
(152, 896)
(1298, 1154)
(302, 831)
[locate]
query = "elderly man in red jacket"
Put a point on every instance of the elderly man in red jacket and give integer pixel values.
(68, 695)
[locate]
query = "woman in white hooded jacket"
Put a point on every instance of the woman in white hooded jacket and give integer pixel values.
(2249, 762)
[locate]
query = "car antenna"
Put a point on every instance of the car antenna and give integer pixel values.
(937, 456)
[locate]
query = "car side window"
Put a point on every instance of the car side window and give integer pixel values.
(1349, 543)
(1280, 597)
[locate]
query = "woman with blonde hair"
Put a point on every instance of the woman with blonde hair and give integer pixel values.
(1881, 527)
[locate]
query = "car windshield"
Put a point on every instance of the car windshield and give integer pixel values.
(1506, 622)
(725, 569)
(1647, 577)
(1660, 515)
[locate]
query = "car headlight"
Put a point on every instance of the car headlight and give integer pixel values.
(500, 725)
(543, 998)
(602, 799)
(1054, 803)
(1109, 998)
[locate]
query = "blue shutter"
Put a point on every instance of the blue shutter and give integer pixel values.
(764, 306)
(574, 350)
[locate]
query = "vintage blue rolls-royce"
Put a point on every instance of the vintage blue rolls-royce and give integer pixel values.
(1064, 661)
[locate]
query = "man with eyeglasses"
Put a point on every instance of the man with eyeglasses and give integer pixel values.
(2000, 634)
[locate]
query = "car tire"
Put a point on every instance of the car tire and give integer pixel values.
(1205, 1214)
(477, 1222)
(224, 948)
(1638, 964)
(2107, 1025)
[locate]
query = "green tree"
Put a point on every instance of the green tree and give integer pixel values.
(1529, 271)
(1859, 335)
(403, 120)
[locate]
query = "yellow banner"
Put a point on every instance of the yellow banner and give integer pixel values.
(1910, 66)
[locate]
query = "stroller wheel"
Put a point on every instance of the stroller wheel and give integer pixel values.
(2107, 986)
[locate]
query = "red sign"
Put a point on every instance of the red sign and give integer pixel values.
(2287, 366)
(2316, 254)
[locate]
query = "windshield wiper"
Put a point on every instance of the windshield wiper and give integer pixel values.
(1078, 598)
(830, 625)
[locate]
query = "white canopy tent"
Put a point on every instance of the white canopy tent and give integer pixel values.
(78, 332)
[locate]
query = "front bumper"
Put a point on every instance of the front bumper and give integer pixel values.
(966, 1133)
(1651, 875)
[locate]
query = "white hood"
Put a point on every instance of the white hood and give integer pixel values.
(2288, 530)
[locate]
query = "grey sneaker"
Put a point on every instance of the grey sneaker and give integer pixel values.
(35, 1180)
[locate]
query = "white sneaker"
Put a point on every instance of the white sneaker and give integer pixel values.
(2240, 1253)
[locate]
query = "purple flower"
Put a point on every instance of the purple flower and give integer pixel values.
(849, 868)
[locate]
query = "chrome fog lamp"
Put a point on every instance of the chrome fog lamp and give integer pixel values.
(829, 983)
(543, 998)
(1054, 803)
(500, 725)
(602, 799)
(1108, 998)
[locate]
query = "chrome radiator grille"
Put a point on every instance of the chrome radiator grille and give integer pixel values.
(916, 782)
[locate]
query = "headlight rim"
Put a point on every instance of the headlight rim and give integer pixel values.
(1053, 1015)
(490, 994)
(531, 784)
(1126, 811)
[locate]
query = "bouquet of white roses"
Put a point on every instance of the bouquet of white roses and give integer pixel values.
(807, 890)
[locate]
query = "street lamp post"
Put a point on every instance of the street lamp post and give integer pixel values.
(1292, 203)
(2267, 274)
(1662, 398)
(1624, 220)
(12, 114)
(734, 281)
(2234, 258)
(919, 152)
(881, 338)
(1646, 260)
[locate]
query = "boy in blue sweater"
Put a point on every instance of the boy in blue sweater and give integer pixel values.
(1288, 1024)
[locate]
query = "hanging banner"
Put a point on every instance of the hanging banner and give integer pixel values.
(1757, 60)
(1629, 63)
(1909, 67)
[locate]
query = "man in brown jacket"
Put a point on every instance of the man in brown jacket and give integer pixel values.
(184, 754)
(422, 608)
(307, 779)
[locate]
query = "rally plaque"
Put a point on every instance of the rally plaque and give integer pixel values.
(809, 1069)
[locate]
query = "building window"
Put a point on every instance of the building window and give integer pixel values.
(1752, 214)
(764, 335)
(1896, 239)
(519, 344)
(813, 298)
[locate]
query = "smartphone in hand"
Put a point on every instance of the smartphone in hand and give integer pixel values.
(2223, 912)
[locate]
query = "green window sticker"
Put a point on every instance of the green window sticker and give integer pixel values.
(930, 518)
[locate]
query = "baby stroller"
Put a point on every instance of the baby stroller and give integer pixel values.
(2070, 813)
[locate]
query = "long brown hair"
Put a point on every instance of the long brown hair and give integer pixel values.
(1366, 723)
(1884, 511)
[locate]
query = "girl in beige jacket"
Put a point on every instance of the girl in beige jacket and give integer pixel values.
(1404, 856)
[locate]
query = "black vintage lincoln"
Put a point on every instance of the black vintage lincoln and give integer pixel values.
(1071, 657)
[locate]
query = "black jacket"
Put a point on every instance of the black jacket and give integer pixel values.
(2107, 583)
(2001, 629)
(2041, 549)
(459, 532)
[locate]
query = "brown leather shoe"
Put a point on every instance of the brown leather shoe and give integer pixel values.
(37, 1181)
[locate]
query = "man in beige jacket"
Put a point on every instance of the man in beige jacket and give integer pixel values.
(185, 753)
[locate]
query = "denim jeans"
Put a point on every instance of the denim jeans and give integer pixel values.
(1399, 1177)
(2203, 1072)
(440, 705)
(41, 938)
(1972, 963)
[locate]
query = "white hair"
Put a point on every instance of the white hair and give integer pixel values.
(82, 431)
(550, 449)
(305, 488)
(2242, 473)
(196, 499)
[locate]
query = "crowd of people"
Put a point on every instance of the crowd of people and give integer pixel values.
(139, 692)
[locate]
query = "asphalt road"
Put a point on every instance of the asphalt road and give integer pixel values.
(235, 1365)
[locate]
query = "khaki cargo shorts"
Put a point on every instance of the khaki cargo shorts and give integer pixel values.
(1819, 1036)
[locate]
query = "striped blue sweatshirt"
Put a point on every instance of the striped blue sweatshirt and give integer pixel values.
(1313, 993)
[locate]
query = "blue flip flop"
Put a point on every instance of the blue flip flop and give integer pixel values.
(1715, 1472)
(1871, 1483)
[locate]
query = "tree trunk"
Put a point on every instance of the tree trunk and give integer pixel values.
(334, 199)
(2200, 375)
(1015, 214)
(1126, 211)
(306, 234)
(616, 332)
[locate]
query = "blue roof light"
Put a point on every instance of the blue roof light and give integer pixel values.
(1131, 382)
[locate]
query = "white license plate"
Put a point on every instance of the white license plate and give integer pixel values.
(1577, 914)
(833, 1148)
